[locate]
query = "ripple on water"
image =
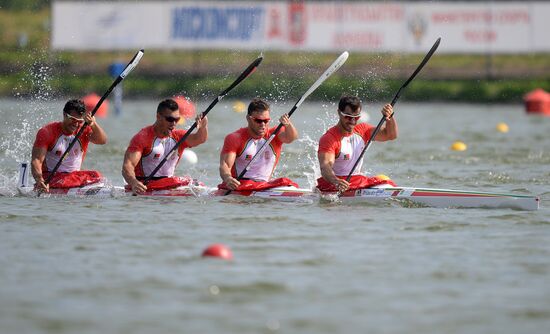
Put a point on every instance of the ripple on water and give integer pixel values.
(253, 219)
(520, 217)
(534, 222)
(307, 262)
(9, 218)
(437, 227)
(531, 313)
(254, 288)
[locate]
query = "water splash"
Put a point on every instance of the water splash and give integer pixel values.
(22, 119)
(309, 161)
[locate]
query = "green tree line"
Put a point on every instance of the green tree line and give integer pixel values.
(24, 4)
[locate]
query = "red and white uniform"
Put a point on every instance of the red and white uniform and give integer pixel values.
(346, 149)
(52, 138)
(245, 147)
(153, 149)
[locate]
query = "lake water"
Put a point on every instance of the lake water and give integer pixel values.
(133, 265)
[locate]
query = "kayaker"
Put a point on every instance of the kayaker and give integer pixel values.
(151, 144)
(342, 144)
(54, 138)
(242, 145)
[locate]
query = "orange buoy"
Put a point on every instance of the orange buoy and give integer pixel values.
(187, 108)
(503, 127)
(218, 250)
(91, 100)
(239, 107)
(537, 102)
(459, 146)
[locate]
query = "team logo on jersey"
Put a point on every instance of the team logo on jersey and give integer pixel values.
(58, 152)
(346, 156)
(248, 157)
(157, 156)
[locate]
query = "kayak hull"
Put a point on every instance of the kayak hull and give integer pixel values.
(429, 197)
(99, 190)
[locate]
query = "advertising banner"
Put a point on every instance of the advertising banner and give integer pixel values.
(409, 27)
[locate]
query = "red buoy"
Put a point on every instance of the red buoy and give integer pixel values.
(91, 100)
(537, 102)
(187, 108)
(218, 250)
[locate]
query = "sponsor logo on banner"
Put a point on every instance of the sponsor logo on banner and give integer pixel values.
(297, 20)
(215, 23)
(417, 26)
(275, 24)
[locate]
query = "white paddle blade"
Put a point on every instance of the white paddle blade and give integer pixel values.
(132, 64)
(333, 68)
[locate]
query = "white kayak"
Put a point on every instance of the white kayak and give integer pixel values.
(99, 190)
(445, 198)
(438, 198)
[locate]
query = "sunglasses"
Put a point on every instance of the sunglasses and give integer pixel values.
(171, 119)
(260, 120)
(76, 119)
(348, 116)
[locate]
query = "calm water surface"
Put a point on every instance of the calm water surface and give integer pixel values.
(133, 265)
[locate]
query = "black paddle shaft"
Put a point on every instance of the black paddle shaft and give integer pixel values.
(396, 97)
(99, 103)
(248, 71)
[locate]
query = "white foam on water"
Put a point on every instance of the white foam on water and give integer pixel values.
(19, 128)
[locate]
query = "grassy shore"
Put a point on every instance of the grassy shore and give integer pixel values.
(274, 88)
(35, 70)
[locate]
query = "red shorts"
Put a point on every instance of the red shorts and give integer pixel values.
(74, 179)
(250, 185)
(167, 183)
(356, 182)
